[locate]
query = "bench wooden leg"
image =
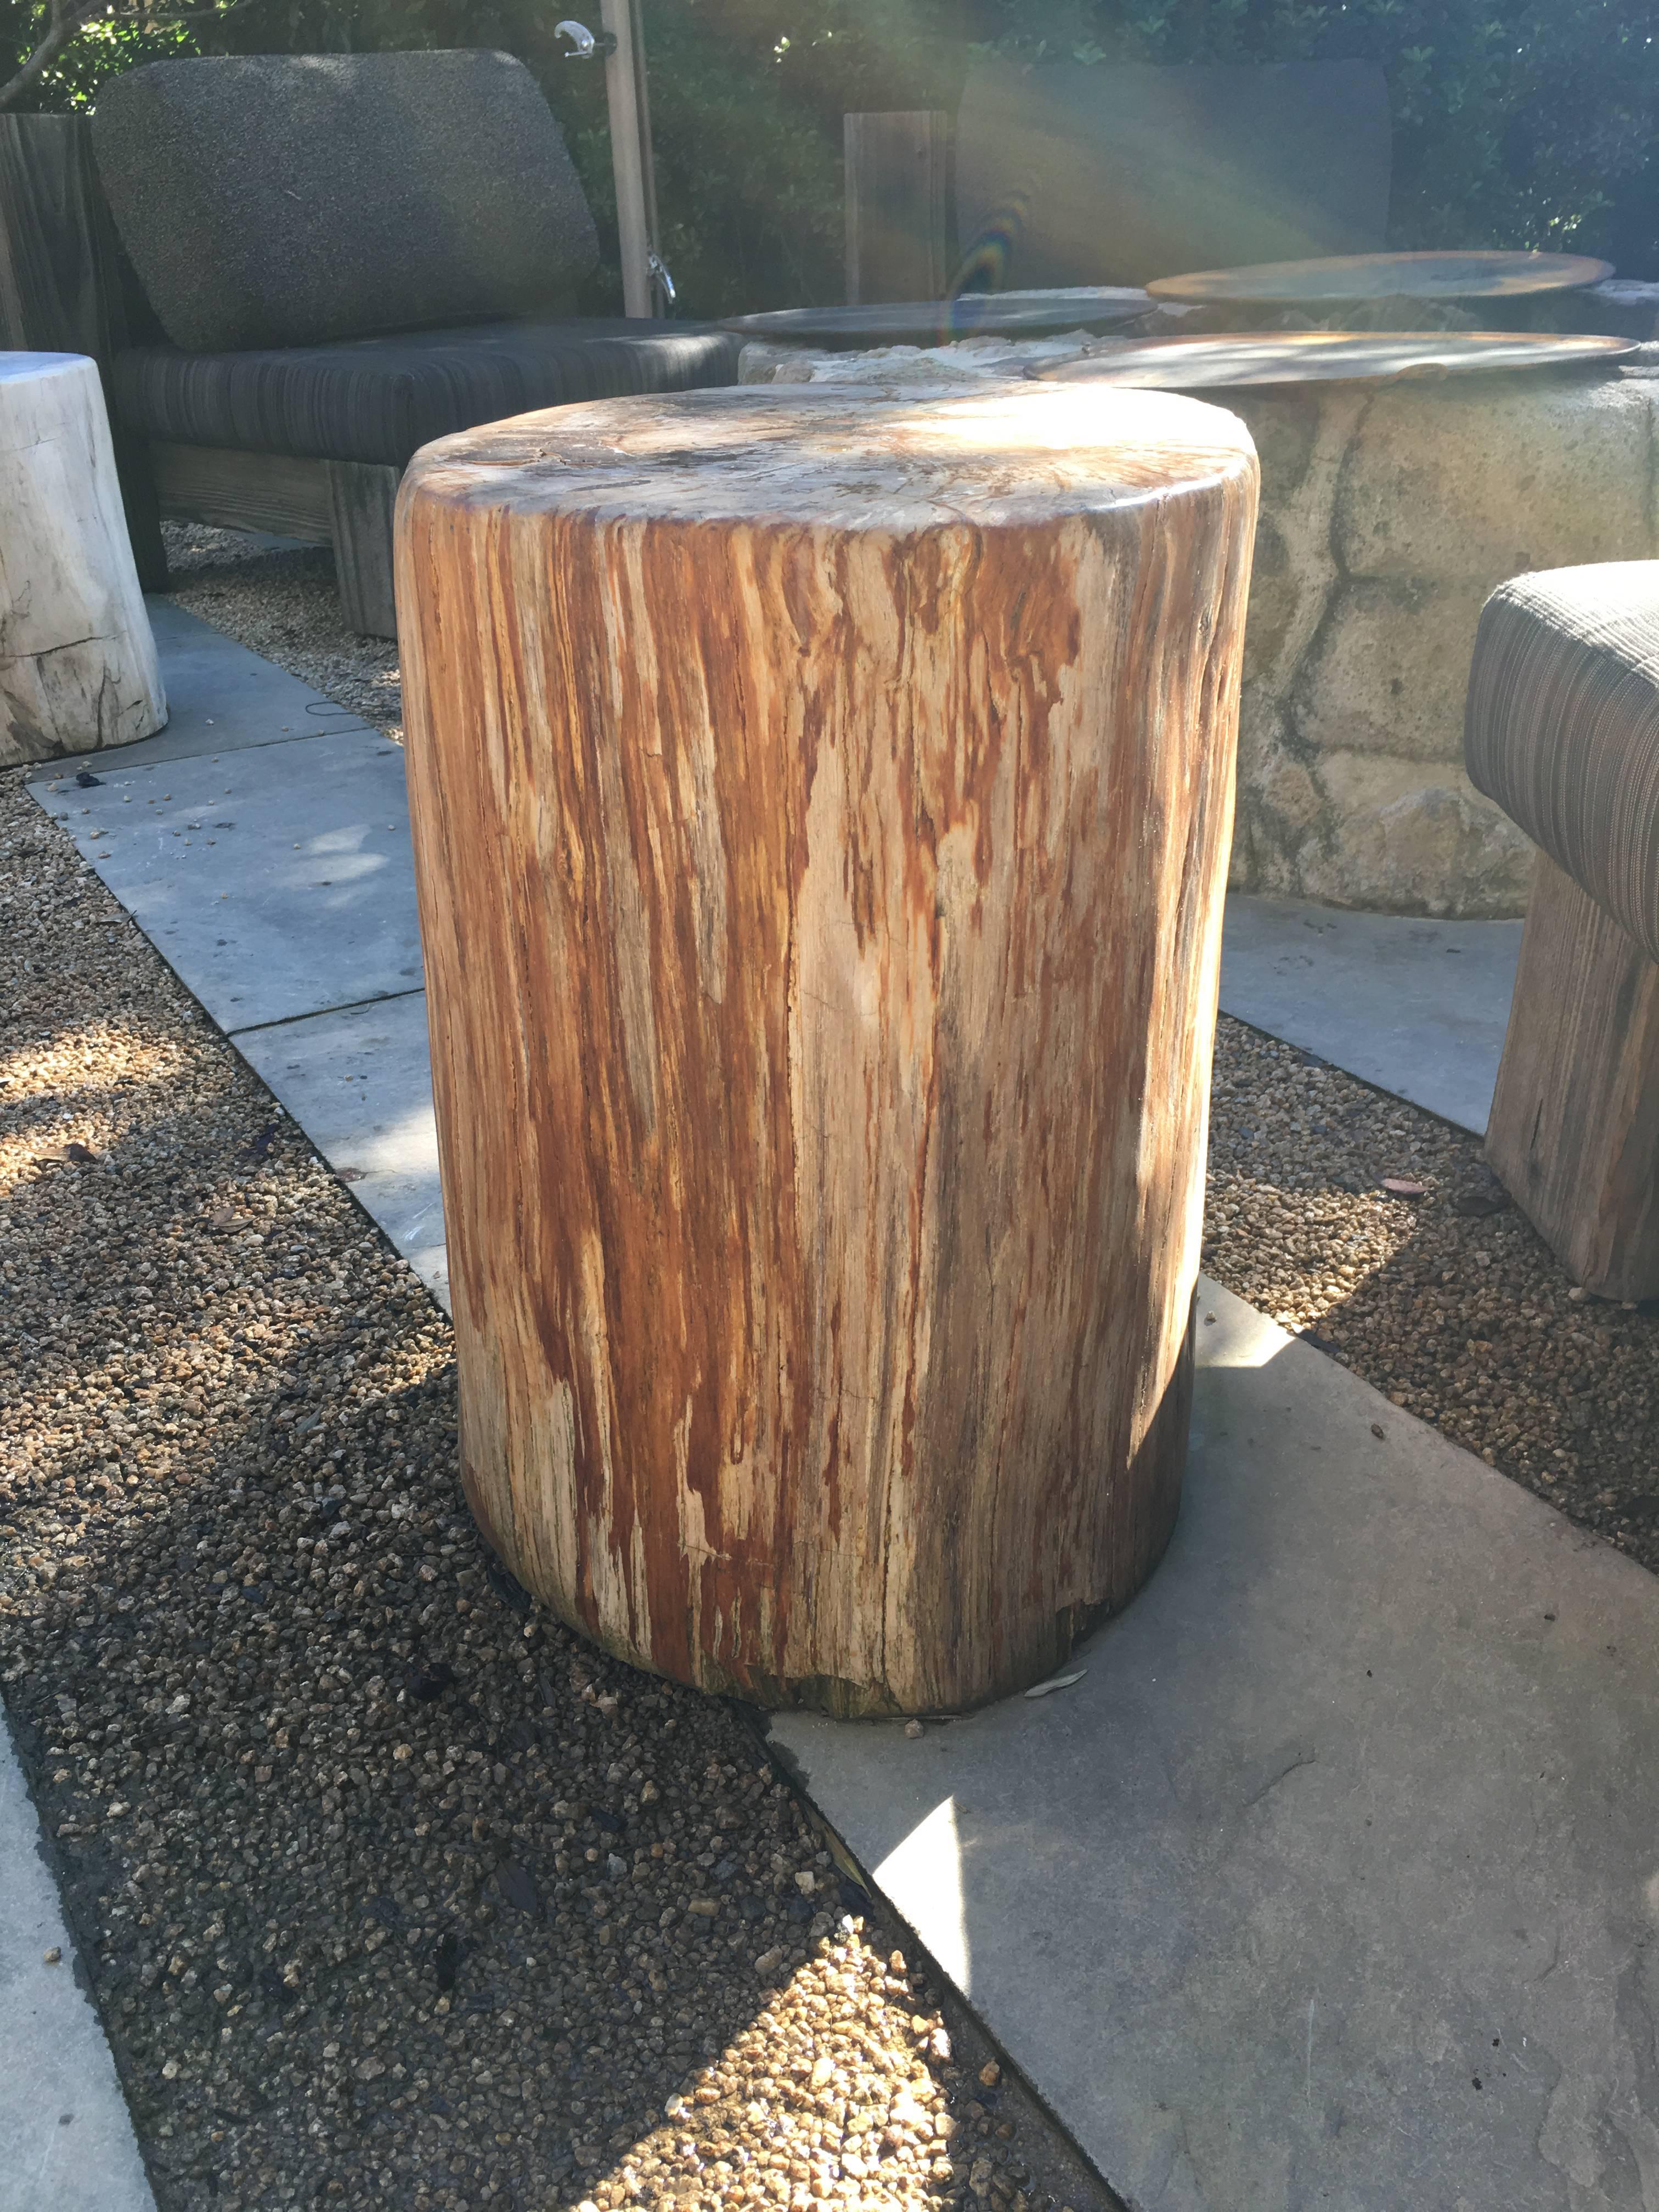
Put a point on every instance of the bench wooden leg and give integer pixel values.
(1574, 1134)
(143, 513)
(361, 497)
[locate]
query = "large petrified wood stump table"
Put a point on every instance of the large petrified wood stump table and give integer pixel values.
(77, 662)
(821, 811)
(1348, 281)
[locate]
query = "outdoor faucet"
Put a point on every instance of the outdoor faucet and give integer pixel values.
(584, 44)
(659, 269)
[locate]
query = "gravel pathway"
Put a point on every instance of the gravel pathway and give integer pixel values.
(392, 1892)
(1442, 1296)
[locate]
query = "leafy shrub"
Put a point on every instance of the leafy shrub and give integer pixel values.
(1517, 122)
(107, 44)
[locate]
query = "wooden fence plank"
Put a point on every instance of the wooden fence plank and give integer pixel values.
(898, 205)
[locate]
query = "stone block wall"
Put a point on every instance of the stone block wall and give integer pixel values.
(1389, 514)
(1390, 511)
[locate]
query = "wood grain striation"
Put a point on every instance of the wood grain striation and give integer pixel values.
(820, 813)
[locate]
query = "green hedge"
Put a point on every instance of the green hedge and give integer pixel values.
(1517, 122)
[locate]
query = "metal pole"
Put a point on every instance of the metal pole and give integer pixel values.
(627, 155)
(661, 281)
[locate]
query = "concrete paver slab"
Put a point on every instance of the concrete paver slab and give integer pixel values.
(1335, 1880)
(1417, 1007)
(277, 880)
(66, 2143)
(222, 697)
(359, 1083)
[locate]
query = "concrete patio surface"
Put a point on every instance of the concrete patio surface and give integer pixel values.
(276, 881)
(265, 851)
(359, 1083)
(222, 698)
(1417, 1007)
(66, 2143)
(1335, 1881)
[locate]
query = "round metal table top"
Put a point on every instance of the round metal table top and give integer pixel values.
(1461, 276)
(1241, 359)
(937, 322)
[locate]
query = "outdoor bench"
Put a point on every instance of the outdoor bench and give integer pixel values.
(294, 271)
(1563, 733)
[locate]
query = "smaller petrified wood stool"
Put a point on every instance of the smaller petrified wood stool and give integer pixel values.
(821, 812)
(1563, 731)
(77, 661)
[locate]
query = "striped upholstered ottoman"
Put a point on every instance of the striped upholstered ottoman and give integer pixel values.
(1563, 733)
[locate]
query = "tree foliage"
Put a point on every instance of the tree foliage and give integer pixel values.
(1517, 122)
(109, 39)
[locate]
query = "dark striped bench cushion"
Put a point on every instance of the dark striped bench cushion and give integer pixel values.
(1562, 728)
(378, 399)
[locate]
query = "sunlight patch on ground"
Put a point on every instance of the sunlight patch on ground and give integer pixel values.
(80, 1087)
(927, 1865)
(831, 2095)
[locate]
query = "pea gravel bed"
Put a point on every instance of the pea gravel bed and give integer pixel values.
(391, 1891)
(1441, 1295)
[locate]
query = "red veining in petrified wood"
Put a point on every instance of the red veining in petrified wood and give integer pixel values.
(821, 814)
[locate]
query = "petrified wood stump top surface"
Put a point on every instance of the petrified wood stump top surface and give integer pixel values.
(821, 811)
(788, 454)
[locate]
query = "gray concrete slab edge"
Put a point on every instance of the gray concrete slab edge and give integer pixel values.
(66, 2141)
(1416, 1006)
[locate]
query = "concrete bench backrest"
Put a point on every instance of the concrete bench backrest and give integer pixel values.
(276, 200)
